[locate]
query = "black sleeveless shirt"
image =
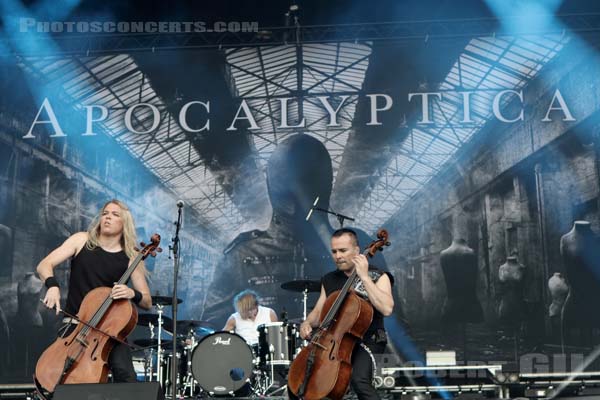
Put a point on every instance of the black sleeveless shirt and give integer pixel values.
(91, 269)
(335, 280)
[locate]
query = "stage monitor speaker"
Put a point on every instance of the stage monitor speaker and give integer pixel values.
(109, 391)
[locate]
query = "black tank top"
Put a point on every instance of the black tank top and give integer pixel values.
(335, 280)
(91, 269)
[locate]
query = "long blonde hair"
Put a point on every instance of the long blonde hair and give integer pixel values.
(245, 301)
(128, 237)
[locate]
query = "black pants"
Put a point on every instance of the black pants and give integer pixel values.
(119, 360)
(362, 371)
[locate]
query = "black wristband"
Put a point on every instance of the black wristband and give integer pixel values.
(51, 282)
(137, 297)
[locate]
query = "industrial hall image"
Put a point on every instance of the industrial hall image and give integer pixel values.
(299, 199)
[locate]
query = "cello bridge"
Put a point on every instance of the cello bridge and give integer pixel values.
(319, 345)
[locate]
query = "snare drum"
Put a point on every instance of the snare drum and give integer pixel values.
(277, 342)
(222, 364)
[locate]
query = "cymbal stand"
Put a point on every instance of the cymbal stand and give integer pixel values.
(269, 382)
(304, 302)
(148, 366)
(159, 349)
(188, 382)
(261, 382)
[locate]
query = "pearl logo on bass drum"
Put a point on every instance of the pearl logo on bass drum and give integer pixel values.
(221, 341)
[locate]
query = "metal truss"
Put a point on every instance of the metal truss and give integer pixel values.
(398, 31)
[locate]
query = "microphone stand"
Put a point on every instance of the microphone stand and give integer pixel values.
(340, 217)
(175, 249)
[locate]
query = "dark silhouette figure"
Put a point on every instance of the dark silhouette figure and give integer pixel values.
(5, 270)
(459, 265)
(5, 343)
(29, 337)
(580, 250)
(558, 288)
(511, 310)
(5, 251)
(298, 171)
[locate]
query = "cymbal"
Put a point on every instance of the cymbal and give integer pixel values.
(145, 319)
(185, 326)
(164, 300)
(302, 284)
(152, 343)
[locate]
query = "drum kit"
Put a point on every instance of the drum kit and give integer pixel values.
(219, 363)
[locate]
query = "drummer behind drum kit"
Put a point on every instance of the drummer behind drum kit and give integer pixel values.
(220, 363)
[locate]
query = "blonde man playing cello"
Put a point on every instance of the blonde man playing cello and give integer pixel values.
(99, 257)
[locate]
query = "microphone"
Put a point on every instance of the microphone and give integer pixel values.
(283, 315)
(180, 211)
(312, 208)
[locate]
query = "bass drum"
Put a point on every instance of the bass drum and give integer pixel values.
(222, 364)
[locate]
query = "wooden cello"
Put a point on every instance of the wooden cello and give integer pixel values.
(82, 357)
(323, 368)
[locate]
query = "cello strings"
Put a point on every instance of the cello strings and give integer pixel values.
(340, 298)
(108, 301)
